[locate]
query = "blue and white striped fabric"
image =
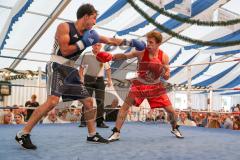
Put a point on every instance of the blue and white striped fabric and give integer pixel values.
(230, 37)
(215, 78)
(113, 11)
(17, 11)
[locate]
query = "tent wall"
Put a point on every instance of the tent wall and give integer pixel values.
(19, 95)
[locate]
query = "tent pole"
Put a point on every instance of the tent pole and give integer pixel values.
(189, 101)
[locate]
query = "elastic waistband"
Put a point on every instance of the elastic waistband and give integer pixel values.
(63, 61)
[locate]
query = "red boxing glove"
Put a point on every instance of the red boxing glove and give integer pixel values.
(155, 68)
(104, 57)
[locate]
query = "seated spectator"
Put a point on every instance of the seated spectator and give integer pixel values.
(63, 115)
(1, 116)
(70, 114)
(185, 121)
(236, 123)
(16, 110)
(238, 106)
(161, 117)
(52, 118)
(150, 116)
(206, 119)
(19, 119)
(232, 108)
(189, 116)
(214, 122)
(23, 111)
(227, 121)
(198, 121)
(111, 111)
(114, 104)
(77, 115)
(7, 119)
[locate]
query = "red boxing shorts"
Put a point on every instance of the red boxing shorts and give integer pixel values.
(156, 94)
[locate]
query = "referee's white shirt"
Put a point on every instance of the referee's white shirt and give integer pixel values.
(92, 66)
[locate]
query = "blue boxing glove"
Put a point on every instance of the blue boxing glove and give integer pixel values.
(138, 44)
(90, 37)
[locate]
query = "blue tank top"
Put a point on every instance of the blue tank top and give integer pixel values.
(74, 37)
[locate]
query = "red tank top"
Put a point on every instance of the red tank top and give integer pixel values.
(143, 63)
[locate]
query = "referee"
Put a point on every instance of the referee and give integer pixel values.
(92, 75)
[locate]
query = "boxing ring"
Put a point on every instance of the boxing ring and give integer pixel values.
(139, 141)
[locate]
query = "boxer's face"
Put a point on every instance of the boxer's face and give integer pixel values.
(90, 21)
(152, 45)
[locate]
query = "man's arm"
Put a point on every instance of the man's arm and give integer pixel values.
(165, 62)
(81, 71)
(138, 44)
(111, 41)
(63, 39)
(108, 74)
(89, 38)
(127, 55)
(109, 79)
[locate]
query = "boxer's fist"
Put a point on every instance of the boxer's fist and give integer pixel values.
(90, 37)
(138, 44)
(104, 57)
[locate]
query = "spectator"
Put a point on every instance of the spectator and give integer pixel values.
(185, 121)
(52, 118)
(198, 120)
(77, 114)
(111, 111)
(70, 114)
(1, 116)
(19, 119)
(31, 103)
(214, 122)
(206, 120)
(7, 119)
(232, 108)
(238, 106)
(63, 115)
(227, 122)
(161, 117)
(236, 123)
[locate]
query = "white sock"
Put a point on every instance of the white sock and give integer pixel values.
(21, 132)
(91, 134)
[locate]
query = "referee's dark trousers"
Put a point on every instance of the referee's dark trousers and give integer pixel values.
(96, 84)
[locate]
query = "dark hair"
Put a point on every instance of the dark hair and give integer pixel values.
(85, 9)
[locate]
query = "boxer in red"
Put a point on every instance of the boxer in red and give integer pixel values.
(152, 67)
